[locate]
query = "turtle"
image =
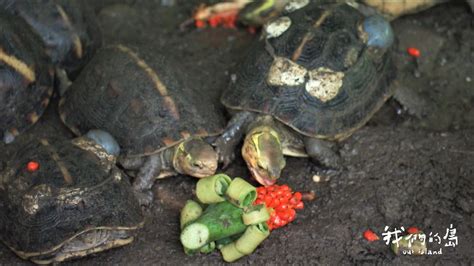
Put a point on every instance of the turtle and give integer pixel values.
(318, 75)
(68, 29)
(26, 77)
(160, 121)
(258, 12)
(65, 199)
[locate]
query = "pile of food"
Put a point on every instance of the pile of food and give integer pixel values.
(237, 217)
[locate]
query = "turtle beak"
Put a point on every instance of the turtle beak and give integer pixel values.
(263, 179)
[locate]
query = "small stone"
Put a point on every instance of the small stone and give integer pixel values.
(468, 79)
(316, 178)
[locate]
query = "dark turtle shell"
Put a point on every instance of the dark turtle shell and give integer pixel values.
(139, 98)
(321, 40)
(68, 29)
(77, 188)
(26, 77)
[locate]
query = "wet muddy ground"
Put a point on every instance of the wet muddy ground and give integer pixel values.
(412, 165)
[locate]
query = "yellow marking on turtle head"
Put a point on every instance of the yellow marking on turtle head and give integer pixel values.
(18, 65)
(75, 38)
(62, 167)
(169, 103)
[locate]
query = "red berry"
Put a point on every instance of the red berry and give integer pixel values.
(214, 21)
(287, 195)
(282, 207)
(412, 51)
(299, 205)
(370, 235)
(297, 195)
(268, 200)
(275, 203)
(32, 166)
(200, 24)
(285, 188)
(293, 201)
(413, 230)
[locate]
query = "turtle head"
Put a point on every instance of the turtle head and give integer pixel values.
(195, 157)
(263, 153)
(257, 13)
(105, 140)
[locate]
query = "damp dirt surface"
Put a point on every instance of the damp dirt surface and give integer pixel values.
(411, 165)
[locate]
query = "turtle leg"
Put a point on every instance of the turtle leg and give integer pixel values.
(233, 134)
(146, 176)
(132, 163)
(321, 151)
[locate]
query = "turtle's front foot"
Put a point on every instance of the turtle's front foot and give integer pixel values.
(321, 151)
(145, 198)
(144, 181)
(225, 151)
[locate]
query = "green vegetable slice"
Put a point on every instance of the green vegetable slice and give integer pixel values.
(218, 221)
(212, 189)
(230, 253)
(241, 193)
(253, 236)
(256, 214)
(190, 212)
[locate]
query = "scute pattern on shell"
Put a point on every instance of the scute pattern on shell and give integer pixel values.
(22, 100)
(139, 98)
(69, 29)
(40, 210)
(320, 37)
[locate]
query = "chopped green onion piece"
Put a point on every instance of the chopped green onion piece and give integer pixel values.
(241, 193)
(256, 214)
(253, 236)
(230, 253)
(211, 189)
(190, 212)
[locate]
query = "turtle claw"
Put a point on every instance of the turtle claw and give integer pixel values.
(145, 198)
(225, 152)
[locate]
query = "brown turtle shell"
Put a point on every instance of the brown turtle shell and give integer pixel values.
(319, 37)
(76, 188)
(139, 98)
(26, 77)
(69, 29)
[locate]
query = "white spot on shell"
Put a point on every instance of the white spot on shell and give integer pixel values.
(295, 5)
(277, 27)
(32, 200)
(324, 83)
(285, 72)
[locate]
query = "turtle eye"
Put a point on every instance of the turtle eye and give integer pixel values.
(379, 32)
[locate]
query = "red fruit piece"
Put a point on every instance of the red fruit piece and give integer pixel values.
(412, 51)
(370, 235)
(282, 202)
(200, 24)
(413, 230)
(32, 166)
